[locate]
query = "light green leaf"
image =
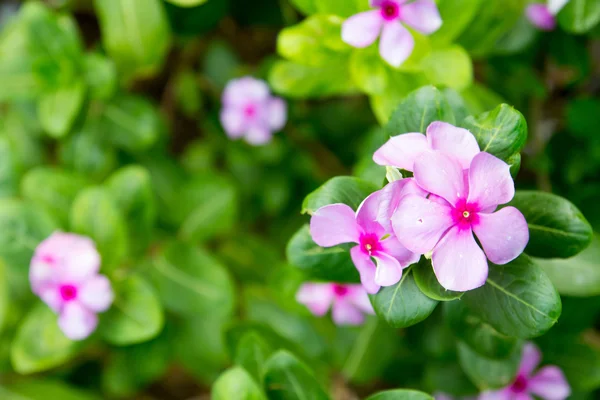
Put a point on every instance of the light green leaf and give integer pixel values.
(32, 389)
(451, 67)
(488, 373)
(341, 189)
(100, 76)
(10, 173)
(58, 109)
(187, 3)
(236, 383)
(457, 15)
(252, 352)
(305, 6)
(287, 378)
(369, 72)
(579, 16)
(400, 394)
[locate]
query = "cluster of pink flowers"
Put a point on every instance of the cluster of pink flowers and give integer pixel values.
(543, 15)
(64, 274)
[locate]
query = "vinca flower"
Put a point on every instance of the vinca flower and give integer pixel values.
(543, 16)
(64, 274)
(548, 383)
(403, 150)
(461, 203)
(370, 228)
(396, 42)
(348, 303)
(250, 111)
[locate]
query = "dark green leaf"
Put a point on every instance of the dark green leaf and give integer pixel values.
(287, 378)
(448, 378)
(400, 394)
(341, 189)
(236, 383)
(488, 373)
(252, 353)
(579, 16)
(428, 284)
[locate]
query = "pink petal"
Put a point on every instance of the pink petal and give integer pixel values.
(458, 262)
(76, 321)
(346, 313)
(276, 113)
(401, 151)
(233, 122)
(42, 274)
(317, 297)
(394, 248)
(388, 271)
(358, 296)
(554, 6)
(96, 294)
(258, 135)
(540, 16)
(51, 296)
(367, 215)
(441, 175)
(334, 224)
(366, 268)
(239, 92)
(550, 384)
(361, 30)
(82, 262)
(456, 142)
(503, 234)
(502, 394)
(419, 223)
(379, 3)
(530, 359)
(490, 182)
(396, 43)
(422, 15)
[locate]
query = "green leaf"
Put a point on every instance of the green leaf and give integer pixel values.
(403, 304)
(100, 76)
(579, 16)
(400, 394)
(556, 227)
(518, 299)
(418, 110)
(344, 8)
(191, 282)
(39, 344)
(4, 295)
(576, 276)
(488, 373)
(460, 12)
(305, 6)
(480, 336)
(428, 284)
(58, 109)
(33, 389)
(501, 132)
(252, 352)
(447, 377)
(287, 378)
(236, 383)
(369, 72)
(187, 3)
(135, 33)
(10, 173)
(94, 213)
(136, 314)
(450, 66)
(331, 263)
(341, 189)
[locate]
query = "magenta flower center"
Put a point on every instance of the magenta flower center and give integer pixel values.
(519, 385)
(464, 215)
(48, 259)
(369, 243)
(340, 290)
(68, 292)
(390, 10)
(250, 110)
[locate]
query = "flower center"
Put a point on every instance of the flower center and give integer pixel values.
(390, 10)
(369, 243)
(68, 292)
(519, 385)
(48, 259)
(464, 215)
(340, 290)
(250, 110)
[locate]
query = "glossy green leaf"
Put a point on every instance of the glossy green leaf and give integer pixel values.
(556, 227)
(341, 189)
(488, 373)
(450, 66)
(252, 352)
(518, 299)
(287, 378)
(579, 16)
(236, 383)
(428, 284)
(400, 394)
(58, 109)
(403, 304)
(100, 76)
(32, 389)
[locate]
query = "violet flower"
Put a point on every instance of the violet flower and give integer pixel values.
(543, 15)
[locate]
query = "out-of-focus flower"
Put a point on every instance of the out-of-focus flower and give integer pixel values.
(396, 42)
(250, 111)
(348, 303)
(64, 274)
(543, 15)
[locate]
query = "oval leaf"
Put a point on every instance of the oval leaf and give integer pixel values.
(400, 394)
(236, 383)
(252, 352)
(428, 284)
(579, 16)
(487, 373)
(341, 189)
(286, 378)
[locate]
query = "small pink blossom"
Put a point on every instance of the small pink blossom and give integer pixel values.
(371, 229)
(548, 383)
(462, 202)
(64, 274)
(543, 15)
(250, 111)
(396, 42)
(403, 150)
(348, 303)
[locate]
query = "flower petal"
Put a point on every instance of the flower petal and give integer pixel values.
(541, 17)
(366, 268)
(345, 313)
(396, 43)
(503, 234)
(419, 223)
(394, 248)
(441, 175)
(490, 182)
(96, 294)
(76, 321)
(550, 384)
(357, 295)
(367, 215)
(502, 394)
(51, 296)
(241, 91)
(458, 262)
(388, 271)
(554, 6)
(456, 142)
(401, 151)
(317, 297)
(361, 30)
(422, 15)
(276, 113)
(233, 122)
(334, 224)
(530, 359)
(258, 135)
(82, 262)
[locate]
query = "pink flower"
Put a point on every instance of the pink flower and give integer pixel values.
(543, 16)
(403, 150)
(64, 274)
(548, 383)
(250, 111)
(349, 303)
(462, 202)
(396, 43)
(370, 228)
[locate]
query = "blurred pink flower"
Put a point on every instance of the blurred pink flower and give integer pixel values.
(348, 303)
(462, 202)
(64, 274)
(548, 383)
(403, 150)
(543, 15)
(396, 42)
(370, 227)
(250, 111)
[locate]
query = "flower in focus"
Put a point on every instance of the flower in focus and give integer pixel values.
(250, 111)
(461, 203)
(370, 228)
(543, 16)
(403, 150)
(348, 303)
(64, 274)
(396, 42)
(548, 383)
